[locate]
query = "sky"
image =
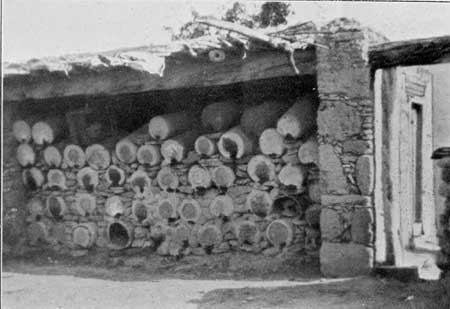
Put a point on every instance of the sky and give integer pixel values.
(41, 28)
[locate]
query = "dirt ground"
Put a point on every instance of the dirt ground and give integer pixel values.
(141, 280)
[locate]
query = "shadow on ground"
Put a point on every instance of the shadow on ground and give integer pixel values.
(367, 292)
(141, 265)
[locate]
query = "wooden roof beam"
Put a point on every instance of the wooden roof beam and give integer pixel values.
(178, 73)
(412, 52)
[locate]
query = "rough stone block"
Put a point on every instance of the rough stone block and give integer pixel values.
(357, 147)
(350, 199)
(338, 76)
(345, 260)
(362, 226)
(365, 174)
(339, 121)
(331, 225)
(332, 173)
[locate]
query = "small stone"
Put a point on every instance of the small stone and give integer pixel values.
(79, 253)
(163, 248)
(233, 243)
(339, 122)
(362, 226)
(365, 174)
(138, 243)
(350, 199)
(272, 251)
(332, 172)
(331, 226)
(135, 262)
(198, 251)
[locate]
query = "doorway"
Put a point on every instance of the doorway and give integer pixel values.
(404, 197)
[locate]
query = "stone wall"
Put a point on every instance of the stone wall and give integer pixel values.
(14, 194)
(346, 151)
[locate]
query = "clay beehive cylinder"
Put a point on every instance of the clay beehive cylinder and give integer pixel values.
(271, 142)
(290, 205)
(149, 154)
(167, 209)
(56, 206)
(222, 205)
(199, 177)
(189, 210)
(37, 231)
(221, 116)
(167, 179)
(115, 176)
(25, 155)
(206, 145)
(84, 234)
(182, 233)
(261, 169)
(85, 204)
(126, 151)
(22, 131)
(280, 233)
(139, 210)
(140, 182)
(210, 235)
(247, 232)
(223, 176)
(98, 157)
(164, 126)
(46, 131)
(259, 202)
(120, 235)
(292, 175)
(35, 207)
(176, 148)
(235, 144)
(308, 153)
(33, 178)
(56, 179)
(52, 156)
(114, 206)
(257, 118)
(74, 156)
(300, 119)
(87, 178)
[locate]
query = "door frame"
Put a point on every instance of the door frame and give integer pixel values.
(394, 94)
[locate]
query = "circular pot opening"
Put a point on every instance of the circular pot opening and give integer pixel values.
(140, 211)
(189, 211)
(247, 233)
(262, 171)
(87, 182)
(231, 147)
(140, 182)
(119, 235)
(165, 210)
(114, 176)
(54, 207)
(30, 182)
(287, 206)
